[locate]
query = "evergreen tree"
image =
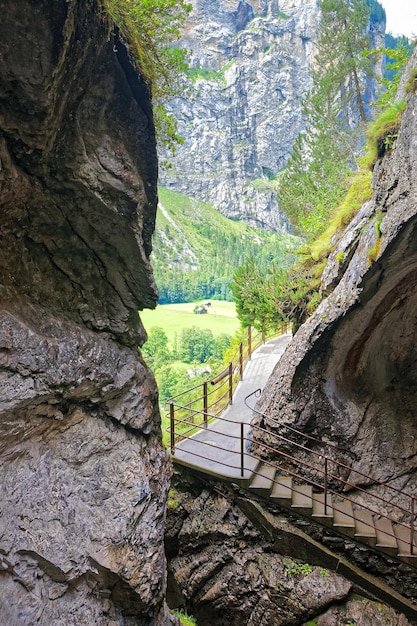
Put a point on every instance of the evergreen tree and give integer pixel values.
(314, 180)
(340, 60)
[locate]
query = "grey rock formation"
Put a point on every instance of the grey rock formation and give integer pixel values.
(348, 375)
(242, 118)
(232, 563)
(251, 61)
(83, 476)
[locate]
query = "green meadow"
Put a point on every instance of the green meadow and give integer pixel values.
(172, 318)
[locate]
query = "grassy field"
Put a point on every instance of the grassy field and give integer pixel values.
(172, 318)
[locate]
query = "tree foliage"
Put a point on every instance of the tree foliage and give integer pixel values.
(396, 60)
(314, 181)
(268, 300)
(149, 28)
(156, 348)
(340, 63)
(194, 346)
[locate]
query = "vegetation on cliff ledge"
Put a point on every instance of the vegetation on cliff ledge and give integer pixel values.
(149, 28)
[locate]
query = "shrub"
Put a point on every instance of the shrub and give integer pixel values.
(149, 28)
(382, 133)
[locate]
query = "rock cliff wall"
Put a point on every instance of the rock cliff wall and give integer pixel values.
(83, 475)
(349, 373)
(233, 562)
(251, 63)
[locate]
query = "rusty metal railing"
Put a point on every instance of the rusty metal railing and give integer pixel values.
(190, 409)
(295, 431)
(311, 467)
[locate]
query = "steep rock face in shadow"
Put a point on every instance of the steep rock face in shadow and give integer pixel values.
(234, 561)
(349, 373)
(83, 476)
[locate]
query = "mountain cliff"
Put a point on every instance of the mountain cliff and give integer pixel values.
(251, 64)
(84, 477)
(348, 374)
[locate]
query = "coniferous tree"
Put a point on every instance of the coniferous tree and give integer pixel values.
(314, 180)
(342, 40)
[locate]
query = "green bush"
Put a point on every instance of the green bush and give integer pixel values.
(381, 134)
(149, 28)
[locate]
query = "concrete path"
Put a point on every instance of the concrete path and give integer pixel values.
(216, 450)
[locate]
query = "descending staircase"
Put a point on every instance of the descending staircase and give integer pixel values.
(341, 514)
(308, 477)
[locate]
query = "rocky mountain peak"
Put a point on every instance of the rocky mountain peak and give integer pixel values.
(251, 62)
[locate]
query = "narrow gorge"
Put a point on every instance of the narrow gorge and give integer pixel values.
(89, 532)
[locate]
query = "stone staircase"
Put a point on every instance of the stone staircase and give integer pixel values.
(338, 513)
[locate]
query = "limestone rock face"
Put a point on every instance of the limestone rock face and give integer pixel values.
(231, 562)
(251, 63)
(83, 475)
(348, 375)
(245, 110)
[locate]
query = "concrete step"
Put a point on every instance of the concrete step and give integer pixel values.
(322, 514)
(263, 480)
(385, 537)
(282, 490)
(365, 526)
(343, 518)
(403, 538)
(302, 499)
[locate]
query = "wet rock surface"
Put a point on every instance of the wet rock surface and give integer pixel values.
(229, 568)
(83, 476)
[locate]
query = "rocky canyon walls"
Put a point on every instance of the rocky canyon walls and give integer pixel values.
(83, 476)
(349, 373)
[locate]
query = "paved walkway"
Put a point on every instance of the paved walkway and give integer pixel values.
(216, 449)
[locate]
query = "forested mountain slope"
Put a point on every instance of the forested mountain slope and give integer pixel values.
(197, 250)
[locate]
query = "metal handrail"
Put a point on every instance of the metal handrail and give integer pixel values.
(229, 377)
(336, 462)
(252, 342)
(317, 469)
(294, 430)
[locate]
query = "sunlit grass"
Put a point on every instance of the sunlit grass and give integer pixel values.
(173, 318)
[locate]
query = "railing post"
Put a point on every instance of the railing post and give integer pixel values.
(412, 525)
(230, 383)
(241, 360)
(263, 336)
(205, 405)
(172, 422)
(249, 343)
(242, 450)
(325, 485)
